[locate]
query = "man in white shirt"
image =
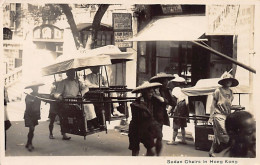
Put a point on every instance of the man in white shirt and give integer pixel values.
(72, 87)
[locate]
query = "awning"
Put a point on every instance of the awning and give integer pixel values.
(181, 28)
(174, 28)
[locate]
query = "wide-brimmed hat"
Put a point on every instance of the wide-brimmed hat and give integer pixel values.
(178, 79)
(160, 76)
(227, 76)
(146, 85)
(33, 84)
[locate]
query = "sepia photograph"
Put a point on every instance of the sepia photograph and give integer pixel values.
(121, 82)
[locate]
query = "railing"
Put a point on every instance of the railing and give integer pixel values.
(13, 76)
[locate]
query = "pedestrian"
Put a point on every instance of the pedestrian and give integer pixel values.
(72, 87)
(143, 127)
(32, 112)
(168, 101)
(6, 118)
(181, 111)
(54, 111)
(160, 107)
(220, 108)
(241, 128)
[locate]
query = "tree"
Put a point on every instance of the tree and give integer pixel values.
(50, 13)
(95, 25)
(67, 11)
(34, 15)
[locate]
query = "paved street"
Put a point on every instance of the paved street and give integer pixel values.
(99, 144)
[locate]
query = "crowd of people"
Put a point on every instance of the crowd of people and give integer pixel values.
(234, 133)
(156, 100)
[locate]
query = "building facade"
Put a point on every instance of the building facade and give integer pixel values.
(166, 43)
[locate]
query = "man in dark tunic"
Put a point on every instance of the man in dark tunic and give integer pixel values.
(160, 113)
(143, 128)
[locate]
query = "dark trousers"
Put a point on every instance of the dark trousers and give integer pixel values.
(98, 110)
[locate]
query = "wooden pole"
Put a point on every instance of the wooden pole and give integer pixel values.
(226, 57)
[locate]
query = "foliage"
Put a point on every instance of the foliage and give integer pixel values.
(43, 13)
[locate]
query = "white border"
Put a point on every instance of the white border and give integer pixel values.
(43, 160)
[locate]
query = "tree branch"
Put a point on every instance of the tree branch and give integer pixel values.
(67, 11)
(96, 22)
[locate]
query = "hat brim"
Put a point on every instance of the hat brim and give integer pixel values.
(34, 85)
(142, 88)
(178, 80)
(158, 78)
(233, 80)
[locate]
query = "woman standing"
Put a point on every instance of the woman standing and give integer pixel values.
(32, 112)
(221, 107)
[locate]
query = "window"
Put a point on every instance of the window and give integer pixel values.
(103, 38)
(174, 58)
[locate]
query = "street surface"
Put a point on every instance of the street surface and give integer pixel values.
(100, 144)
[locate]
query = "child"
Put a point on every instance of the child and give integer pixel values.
(32, 112)
(221, 107)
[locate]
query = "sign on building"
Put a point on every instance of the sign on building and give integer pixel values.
(222, 19)
(122, 24)
(122, 21)
(171, 9)
(119, 38)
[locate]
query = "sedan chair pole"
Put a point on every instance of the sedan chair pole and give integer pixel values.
(81, 105)
(103, 110)
(124, 84)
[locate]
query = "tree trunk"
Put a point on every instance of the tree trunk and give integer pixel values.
(67, 11)
(96, 23)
